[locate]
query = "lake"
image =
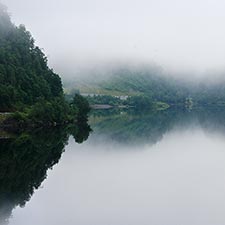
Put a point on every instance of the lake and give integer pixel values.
(159, 168)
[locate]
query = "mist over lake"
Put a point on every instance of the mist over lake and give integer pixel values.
(135, 168)
(112, 112)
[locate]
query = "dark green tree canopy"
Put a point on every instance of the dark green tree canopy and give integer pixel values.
(25, 77)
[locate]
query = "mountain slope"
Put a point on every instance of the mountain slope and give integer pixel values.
(24, 74)
(152, 83)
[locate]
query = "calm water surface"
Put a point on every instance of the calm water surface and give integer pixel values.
(165, 168)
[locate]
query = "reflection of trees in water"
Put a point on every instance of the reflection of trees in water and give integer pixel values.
(25, 159)
(132, 127)
(136, 127)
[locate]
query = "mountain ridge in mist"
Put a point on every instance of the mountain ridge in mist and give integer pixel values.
(152, 81)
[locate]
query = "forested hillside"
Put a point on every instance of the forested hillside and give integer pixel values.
(24, 75)
(28, 87)
(153, 84)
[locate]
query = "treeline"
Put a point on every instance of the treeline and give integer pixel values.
(51, 113)
(159, 87)
(27, 85)
(104, 99)
(150, 83)
(140, 101)
(154, 85)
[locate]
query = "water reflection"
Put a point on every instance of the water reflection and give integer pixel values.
(25, 159)
(109, 182)
(130, 127)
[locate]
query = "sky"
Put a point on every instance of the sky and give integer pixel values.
(178, 35)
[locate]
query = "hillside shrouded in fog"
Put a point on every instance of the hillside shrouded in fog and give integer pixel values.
(177, 35)
(112, 112)
(97, 51)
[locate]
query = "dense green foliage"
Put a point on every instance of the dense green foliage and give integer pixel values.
(24, 75)
(82, 105)
(51, 113)
(27, 85)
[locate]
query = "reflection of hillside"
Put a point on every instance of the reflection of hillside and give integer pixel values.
(24, 161)
(132, 127)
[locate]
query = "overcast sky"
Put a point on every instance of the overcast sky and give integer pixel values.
(177, 34)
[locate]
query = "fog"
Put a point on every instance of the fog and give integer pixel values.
(168, 183)
(178, 35)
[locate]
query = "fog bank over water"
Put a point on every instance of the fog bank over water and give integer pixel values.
(179, 180)
(177, 35)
